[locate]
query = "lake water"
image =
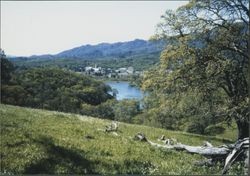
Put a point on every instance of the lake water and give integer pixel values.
(125, 91)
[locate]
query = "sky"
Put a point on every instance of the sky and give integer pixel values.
(49, 27)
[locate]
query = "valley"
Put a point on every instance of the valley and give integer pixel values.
(125, 88)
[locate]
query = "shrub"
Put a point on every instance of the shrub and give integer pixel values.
(196, 127)
(126, 110)
(214, 129)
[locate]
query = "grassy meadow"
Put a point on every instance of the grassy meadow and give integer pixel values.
(48, 142)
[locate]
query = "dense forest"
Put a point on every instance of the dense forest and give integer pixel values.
(53, 89)
(62, 90)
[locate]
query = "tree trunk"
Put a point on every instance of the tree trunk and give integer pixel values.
(243, 129)
(229, 153)
(207, 151)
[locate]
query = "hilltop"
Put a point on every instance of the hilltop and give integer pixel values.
(138, 53)
(108, 50)
(113, 50)
(39, 141)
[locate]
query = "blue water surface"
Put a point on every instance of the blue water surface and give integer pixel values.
(125, 91)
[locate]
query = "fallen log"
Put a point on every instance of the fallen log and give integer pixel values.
(229, 153)
(207, 151)
(241, 147)
(207, 144)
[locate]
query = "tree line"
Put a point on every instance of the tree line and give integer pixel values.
(62, 90)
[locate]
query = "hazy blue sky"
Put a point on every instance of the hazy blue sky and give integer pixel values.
(43, 27)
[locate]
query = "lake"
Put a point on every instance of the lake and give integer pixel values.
(125, 91)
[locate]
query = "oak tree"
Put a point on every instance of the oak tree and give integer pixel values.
(208, 53)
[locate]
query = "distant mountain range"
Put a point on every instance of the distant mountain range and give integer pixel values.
(141, 54)
(108, 50)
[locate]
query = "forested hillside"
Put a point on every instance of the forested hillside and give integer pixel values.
(114, 50)
(63, 90)
(140, 54)
(51, 88)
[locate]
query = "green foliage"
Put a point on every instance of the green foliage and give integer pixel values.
(125, 110)
(214, 129)
(203, 71)
(178, 110)
(48, 142)
(135, 80)
(103, 110)
(196, 127)
(230, 130)
(6, 68)
(66, 91)
(139, 62)
(13, 94)
(54, 89)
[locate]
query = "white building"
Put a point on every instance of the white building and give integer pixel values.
(130, 70)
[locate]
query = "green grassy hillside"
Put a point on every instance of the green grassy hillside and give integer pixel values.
(39, 141)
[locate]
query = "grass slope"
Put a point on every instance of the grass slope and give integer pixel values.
(38, 141)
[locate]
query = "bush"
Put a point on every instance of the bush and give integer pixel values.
(104, 110)
(157, 117)
(126, 110)
(214, 129)
(196, 127)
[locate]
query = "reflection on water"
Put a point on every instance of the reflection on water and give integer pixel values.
(125, 91)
